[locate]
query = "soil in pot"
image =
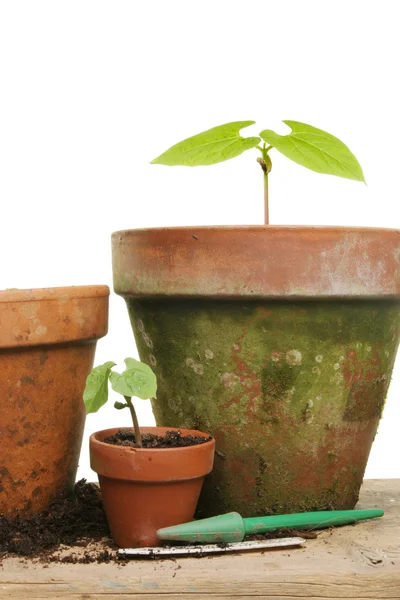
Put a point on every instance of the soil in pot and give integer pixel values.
(172, 439)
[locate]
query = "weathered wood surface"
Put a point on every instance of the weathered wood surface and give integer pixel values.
(358, 562)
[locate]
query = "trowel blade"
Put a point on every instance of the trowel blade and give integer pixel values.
(183, 551)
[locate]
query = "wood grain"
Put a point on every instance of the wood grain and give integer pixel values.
(357, 562)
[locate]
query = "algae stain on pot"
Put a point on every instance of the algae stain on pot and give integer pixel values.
(367, 383)
(277, 384)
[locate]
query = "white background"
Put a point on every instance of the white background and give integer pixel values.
(91, 91)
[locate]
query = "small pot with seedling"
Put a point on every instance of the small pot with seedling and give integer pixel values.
(279, 340)
(149, 477)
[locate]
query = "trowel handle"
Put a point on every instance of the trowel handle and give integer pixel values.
(311, 520)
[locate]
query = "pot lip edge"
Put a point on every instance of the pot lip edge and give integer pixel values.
(310, 297)
(75, 292)
(257, 227)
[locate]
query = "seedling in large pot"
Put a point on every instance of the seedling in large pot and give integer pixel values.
(305, 145)
(278, 340)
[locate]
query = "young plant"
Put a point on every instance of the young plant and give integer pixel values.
(137, 380)
(305, 145)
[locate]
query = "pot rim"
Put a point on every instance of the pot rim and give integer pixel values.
(154, 465)
(258, 227)
(150, 429)
(270, 262)
(53, 293)
(51, 316)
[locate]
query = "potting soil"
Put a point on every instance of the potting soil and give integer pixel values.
(78, 520)
(172, 439)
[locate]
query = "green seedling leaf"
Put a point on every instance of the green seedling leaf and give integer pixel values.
(132, 363)
(96, 390)
(316, 150)
(138, 380)
(120, 405)
(210, 147)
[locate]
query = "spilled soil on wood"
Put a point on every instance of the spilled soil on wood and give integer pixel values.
(76, 521)
(75, 530)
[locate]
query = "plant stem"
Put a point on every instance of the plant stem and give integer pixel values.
(266, 165)
(266, 202)
(138, 437)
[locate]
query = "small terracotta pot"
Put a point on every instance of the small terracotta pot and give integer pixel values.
(146, 489)
(47, 345)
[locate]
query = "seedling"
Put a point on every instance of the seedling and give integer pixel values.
(137, 380)
(305, 145)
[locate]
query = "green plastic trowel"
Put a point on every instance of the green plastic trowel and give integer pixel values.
(233, 528)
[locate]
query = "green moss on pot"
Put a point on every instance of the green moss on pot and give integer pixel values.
(292, 392)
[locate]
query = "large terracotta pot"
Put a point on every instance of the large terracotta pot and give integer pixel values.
(280, 341)
(145, 489)
(47, 345)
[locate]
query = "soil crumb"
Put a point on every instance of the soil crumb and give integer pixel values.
(78, 520)
(172, 439)
(283, 533)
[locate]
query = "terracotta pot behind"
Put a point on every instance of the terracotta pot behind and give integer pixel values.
(279, 341)
(146, 489)
(47, 345)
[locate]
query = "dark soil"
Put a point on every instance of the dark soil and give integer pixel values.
(283, 533)
(78, 520)
(75, 530)
(172, 439)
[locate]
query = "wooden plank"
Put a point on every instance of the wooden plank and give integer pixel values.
(357, 562)
(270, 595)
(373, 588)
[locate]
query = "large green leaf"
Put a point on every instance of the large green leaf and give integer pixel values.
(212, 146)
(315, 149)
(138, 380)
(96, 390)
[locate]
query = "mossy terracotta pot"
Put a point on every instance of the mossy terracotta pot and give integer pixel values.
(280, 341)
(144, 489)
(47, 345)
